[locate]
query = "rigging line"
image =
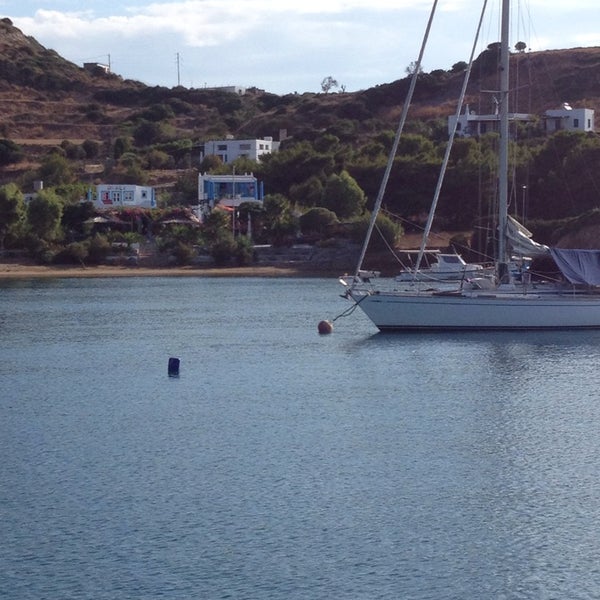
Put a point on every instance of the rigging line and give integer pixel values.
(392, 250)
(447, 242)
(450, 142)
(350, 309)
(390, 163)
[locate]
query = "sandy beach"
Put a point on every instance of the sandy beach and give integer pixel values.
(21, 270)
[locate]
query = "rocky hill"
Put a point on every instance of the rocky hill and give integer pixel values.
(45, 99)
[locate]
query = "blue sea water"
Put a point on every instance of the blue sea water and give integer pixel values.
(284, 464)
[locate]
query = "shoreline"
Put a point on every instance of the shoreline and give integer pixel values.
(9, 270)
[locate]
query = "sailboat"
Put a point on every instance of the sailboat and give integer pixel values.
(510, 301)
(444, 267)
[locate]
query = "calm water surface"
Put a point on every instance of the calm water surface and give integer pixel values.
(282, 464)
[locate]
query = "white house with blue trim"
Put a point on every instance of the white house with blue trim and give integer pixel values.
(229, 190)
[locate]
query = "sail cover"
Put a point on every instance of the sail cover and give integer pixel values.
(578, 266)
(520, 240)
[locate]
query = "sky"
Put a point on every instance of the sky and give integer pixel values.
(287, 46)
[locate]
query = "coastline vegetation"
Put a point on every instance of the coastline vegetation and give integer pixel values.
(320, 185)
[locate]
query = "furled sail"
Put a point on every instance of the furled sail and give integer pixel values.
(521, 242)
(578, 266)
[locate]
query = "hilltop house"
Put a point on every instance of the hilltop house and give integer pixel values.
(229, 149)
(570, 119)
(469, 123)
(96, 67)
(230, 89)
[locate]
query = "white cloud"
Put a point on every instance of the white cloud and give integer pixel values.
(262, 42)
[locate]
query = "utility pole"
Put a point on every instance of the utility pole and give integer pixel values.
(178, 77)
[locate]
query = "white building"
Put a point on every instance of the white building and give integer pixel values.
(569, 119)
(228, 150)
(124, 195)
(230, 89)
(228, 190)
(469, 123)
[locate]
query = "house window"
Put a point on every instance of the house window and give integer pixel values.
(576, 123)
(128, 196)
(245, 146)
(222, 147)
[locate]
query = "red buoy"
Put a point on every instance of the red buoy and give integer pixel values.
(325, 327)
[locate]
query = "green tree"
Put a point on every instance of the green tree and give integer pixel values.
(294, 165)
(44, 214)
(91, 148)
(211, 164)
(217, 231)
(244, 251)
(72, 151)
(185, 191)
(99, 248)
(343, 196)
(122, 145)
(9, 152)
(217, 222)
(75, 215)
(317, 220)
(280, 222)
(307, 193)
(147, 133)
(12, 210)
(55, 170)
(157, 159)
(386, 233)
(328, 84)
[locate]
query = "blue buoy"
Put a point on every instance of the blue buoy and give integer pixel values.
(173, 367)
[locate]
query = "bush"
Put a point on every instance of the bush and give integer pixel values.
(385, 234)
(10, 152)
(73, 254)
(99, 249)
(223, 249)
(183, 253)
(244, 252)
(317, 220)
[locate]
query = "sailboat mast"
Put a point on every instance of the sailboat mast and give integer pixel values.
(503, 156)
(396, 143)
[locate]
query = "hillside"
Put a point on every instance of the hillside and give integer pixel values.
(45, 99)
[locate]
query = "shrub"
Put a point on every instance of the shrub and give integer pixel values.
(317, 220)
(99, 249)
(223, 249)
(244, 252)
(75, 253)
(9, 152)
(183, 253)
(386, 233)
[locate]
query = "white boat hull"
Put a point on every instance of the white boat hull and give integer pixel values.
(397, 311)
